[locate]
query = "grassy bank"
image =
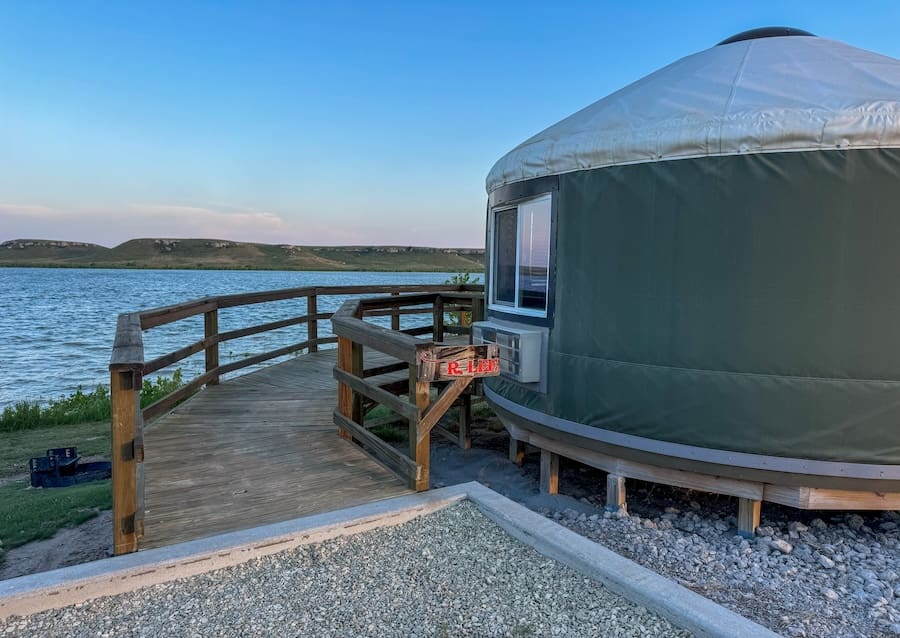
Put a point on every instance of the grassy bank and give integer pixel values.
(29, 429)
(79, 407)
(91, 439)
(29, 515)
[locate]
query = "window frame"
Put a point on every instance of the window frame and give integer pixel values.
(514, 308)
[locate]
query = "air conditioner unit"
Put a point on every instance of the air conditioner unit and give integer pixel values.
(520, 349)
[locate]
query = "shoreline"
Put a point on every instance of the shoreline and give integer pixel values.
(233, 268)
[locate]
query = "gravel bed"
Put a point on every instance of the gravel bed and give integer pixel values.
(451, 573)
(805, 574)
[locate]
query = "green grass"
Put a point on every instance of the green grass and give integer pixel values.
(397, 432)
(79, 407)
(390, 433)
(378, 412)
(28, 430)
(28, 514)
(91, 439)
(481, 410)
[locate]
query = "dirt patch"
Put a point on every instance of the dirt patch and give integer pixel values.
(87, 542)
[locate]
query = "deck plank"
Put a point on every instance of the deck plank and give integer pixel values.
(254, 450)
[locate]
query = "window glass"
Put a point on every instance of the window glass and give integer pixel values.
(534, 254)
(520, 260)
(505, 257)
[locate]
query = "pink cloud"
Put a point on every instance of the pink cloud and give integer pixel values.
(112, 226)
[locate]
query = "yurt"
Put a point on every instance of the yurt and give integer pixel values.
(696, 279)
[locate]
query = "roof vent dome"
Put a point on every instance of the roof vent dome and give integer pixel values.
(765, 32)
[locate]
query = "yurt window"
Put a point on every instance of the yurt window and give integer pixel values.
(521, 257)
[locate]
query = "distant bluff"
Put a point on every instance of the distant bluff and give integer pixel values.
(224, 254)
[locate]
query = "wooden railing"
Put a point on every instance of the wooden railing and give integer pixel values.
(359, 390)
(128, 367)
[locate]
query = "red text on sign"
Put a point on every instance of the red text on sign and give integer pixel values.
(481, 366)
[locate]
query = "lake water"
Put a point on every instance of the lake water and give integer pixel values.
(57, 325)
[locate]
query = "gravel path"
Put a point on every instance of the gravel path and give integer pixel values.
(808, 573)
(452, 573)
(827, 575)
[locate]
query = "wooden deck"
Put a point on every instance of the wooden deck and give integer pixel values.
(257, 449)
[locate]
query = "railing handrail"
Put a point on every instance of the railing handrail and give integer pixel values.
(346, 322)
(124, 352)
(128, 348)
(154, 317)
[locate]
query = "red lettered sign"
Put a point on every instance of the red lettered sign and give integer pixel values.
(470, 368)
(444, 363)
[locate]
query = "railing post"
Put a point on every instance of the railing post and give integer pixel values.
(127, 453)
(126, 366)
(395, 315)
(211, 331)
(312, 327)
(477, 308)
(350, 359)
(438, 312)
(419, 445)
(465, 422)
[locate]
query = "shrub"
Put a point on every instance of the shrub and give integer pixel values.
(152, 391)
(79, 407)
(464, 317)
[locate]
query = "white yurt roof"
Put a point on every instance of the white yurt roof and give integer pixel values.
(791, 93)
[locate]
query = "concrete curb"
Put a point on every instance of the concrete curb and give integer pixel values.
(640, 585)
(684, 608)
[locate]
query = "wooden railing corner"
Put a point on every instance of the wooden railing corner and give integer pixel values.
(128, 367)
(126, 376)
(418, 355)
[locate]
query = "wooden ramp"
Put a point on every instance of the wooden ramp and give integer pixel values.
(257, 449)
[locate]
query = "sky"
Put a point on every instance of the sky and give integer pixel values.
(325, 123)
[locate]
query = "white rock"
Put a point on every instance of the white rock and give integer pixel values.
(826, 562)
(782, 546)
(830, 594)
